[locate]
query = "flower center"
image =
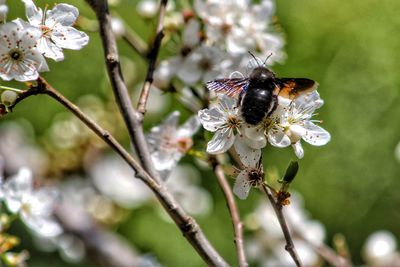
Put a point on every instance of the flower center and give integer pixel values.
(45, 30)
(205, 64)
(233, 122)
(16, 54)
(255, 177)
(184, 144)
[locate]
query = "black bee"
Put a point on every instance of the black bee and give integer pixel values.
(258, 94)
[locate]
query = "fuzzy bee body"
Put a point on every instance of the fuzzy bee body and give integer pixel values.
(259, 100)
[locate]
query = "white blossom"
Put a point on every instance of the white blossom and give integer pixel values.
(57, 31)
(224, 119)
(3, 10)
(34, 206)
(116, 180)
(19, 57)
(290, 123)
(252, 174)
(380, 248)
(168, 142)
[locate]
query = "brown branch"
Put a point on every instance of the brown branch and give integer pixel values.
(153, 54)
(131, 118)
(188, 226)
(233, 210)
(278, 211)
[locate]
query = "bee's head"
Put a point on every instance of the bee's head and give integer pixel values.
(261, 75)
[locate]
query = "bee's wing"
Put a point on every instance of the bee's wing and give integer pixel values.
(231, 87)
(293, 87)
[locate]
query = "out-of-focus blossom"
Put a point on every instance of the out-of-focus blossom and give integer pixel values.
(17, 151)
(380, 249)
(8, 98)
(116, 180)
(16, 259)
(241, 26)
(183, 184)
(56, 27)
(267, 247)
(3, 10)
(19, 57)
(118, 26)
(147, 8)
(169, 142)
(397, 152)
(35, 206)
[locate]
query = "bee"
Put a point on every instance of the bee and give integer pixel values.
(258, 93)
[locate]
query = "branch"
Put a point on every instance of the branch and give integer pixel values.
(122, 97)
(325, 252)
(233, 210)
(188, 226)
(153, 54)
(279, 215)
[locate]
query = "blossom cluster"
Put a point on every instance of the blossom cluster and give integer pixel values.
(216, 37)
(24, 45)
(290, 123)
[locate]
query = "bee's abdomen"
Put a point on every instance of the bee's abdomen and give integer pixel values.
(256, 103)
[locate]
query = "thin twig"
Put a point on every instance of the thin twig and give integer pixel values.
(153, 54)
(278, 211)
(327, 253)
(131, 118)
(134, 41)
(233, 210)
(188, 226)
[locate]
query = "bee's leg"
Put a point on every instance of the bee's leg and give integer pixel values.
(274, 106)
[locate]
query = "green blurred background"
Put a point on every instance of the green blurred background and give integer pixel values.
(352, 49)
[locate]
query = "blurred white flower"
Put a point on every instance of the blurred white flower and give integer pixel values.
(241, 26)
(380, 248)
(168, 142)
(397, 152)
(19, 56)
(182, 183)
(202, 64)
(270, 242)
(17, 150)
(168, 68)
(35, 206)
(16, 259)
(224, 119)
(57, 31)
(116, 180)
(3, 10)
(118, 26)
(147, 8)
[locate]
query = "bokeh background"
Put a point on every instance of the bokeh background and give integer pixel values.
(350, 185)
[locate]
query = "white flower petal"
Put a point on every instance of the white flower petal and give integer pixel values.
(298, 150)
(34, 14)
(222, 140)
(248, 156)
(254, 137)
(189, 128)
(50, 50)
(191, 33)
(211, 119)
(315, 135)
(241, 187)
(16, 188)
(64, 14)
(278, 138)
(69, 38)
(42, 225)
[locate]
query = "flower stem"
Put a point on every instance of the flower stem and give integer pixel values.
(279, 214)
(11, 89)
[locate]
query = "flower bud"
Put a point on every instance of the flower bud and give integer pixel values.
(8, 98)
(147, 8)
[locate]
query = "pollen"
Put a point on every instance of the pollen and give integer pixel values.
(233, 122)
